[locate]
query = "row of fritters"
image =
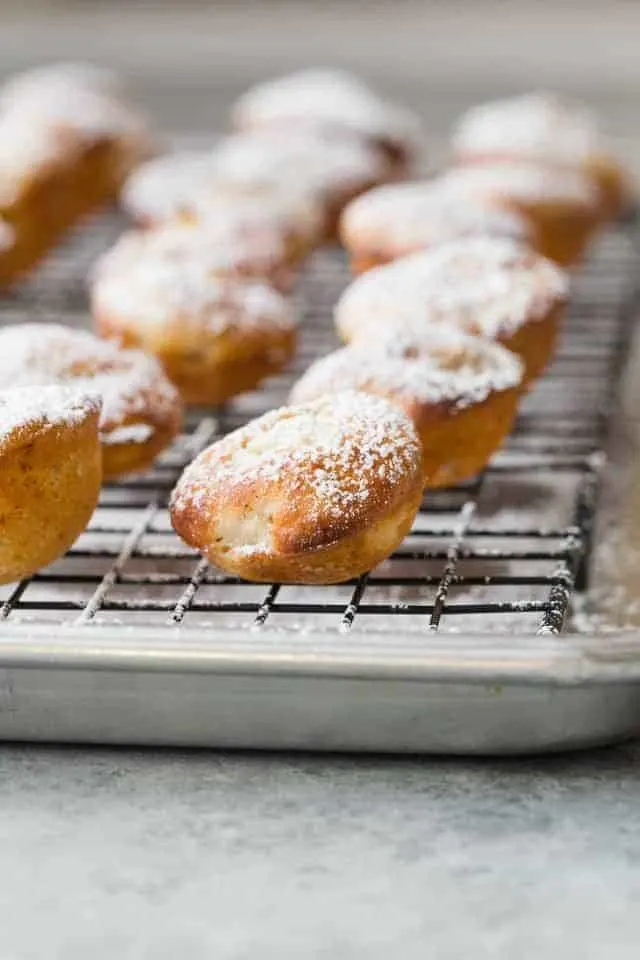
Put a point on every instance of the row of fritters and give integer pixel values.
(207, 289)
(221, 235)
(425, 404)
(324, 489)
(219, 225)
(303, 146)
(165, 292)
(537, 168)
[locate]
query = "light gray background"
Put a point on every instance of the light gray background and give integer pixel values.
(161, 855)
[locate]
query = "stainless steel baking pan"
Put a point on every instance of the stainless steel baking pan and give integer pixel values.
(475, 637)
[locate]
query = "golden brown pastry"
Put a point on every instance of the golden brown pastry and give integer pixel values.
(50, 474)
(486, 286)
(183, 250)
(215, 336)
(460, 391)
(315, 493)
(544, 128)
(561, 203)
(397, 219)
(332, 101)
(333, 169)
(184, 186)
(65, 149)
(141, 410)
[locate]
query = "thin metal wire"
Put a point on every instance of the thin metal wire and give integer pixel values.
(191, 589)
(111, 576)
(453, 554)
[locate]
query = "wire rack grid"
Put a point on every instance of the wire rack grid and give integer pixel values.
(500, 554)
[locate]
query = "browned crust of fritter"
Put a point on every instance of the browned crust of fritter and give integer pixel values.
(458, 444)
(307, 544)
(132, 457)
(55, 198)
(535, 342)
(207, 368)
(51, 477)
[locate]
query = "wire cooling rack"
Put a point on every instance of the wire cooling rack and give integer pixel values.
(500, 554)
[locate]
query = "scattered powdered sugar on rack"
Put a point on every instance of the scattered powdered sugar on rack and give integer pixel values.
(524, 182)
(348, 452)
(542, 125)
(449, 367)
(46, 354)
(488, 286)
(26, 407)
(407, 215)
(328, 99)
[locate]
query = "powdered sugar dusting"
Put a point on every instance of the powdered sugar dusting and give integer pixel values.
(299, 214)
(26, 149)
(538, 125)
(26, 407)
(308, 161)
(181, 249)
(347, 451)
(162, 188)
(129, 381)
(488, 286)
(406, 216)
(48, 115)
(525, 183)
(85, 111)
(150, 281)
(445, 367)
(328, 99)
(67, 75)
(186, 185)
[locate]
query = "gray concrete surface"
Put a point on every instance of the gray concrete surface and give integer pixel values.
(160, 856)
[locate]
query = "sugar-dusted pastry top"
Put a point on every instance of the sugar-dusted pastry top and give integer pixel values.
(524, 181)
(181, 269)
(328, 99)
(185, 185)
(538, 125)
(129, 382)
(72, 75)
(483, 285)
(163, 187)
(305, 161)
(27, 407)
(409, 215)
(152, 294)
(445, 366)
(318, 471)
